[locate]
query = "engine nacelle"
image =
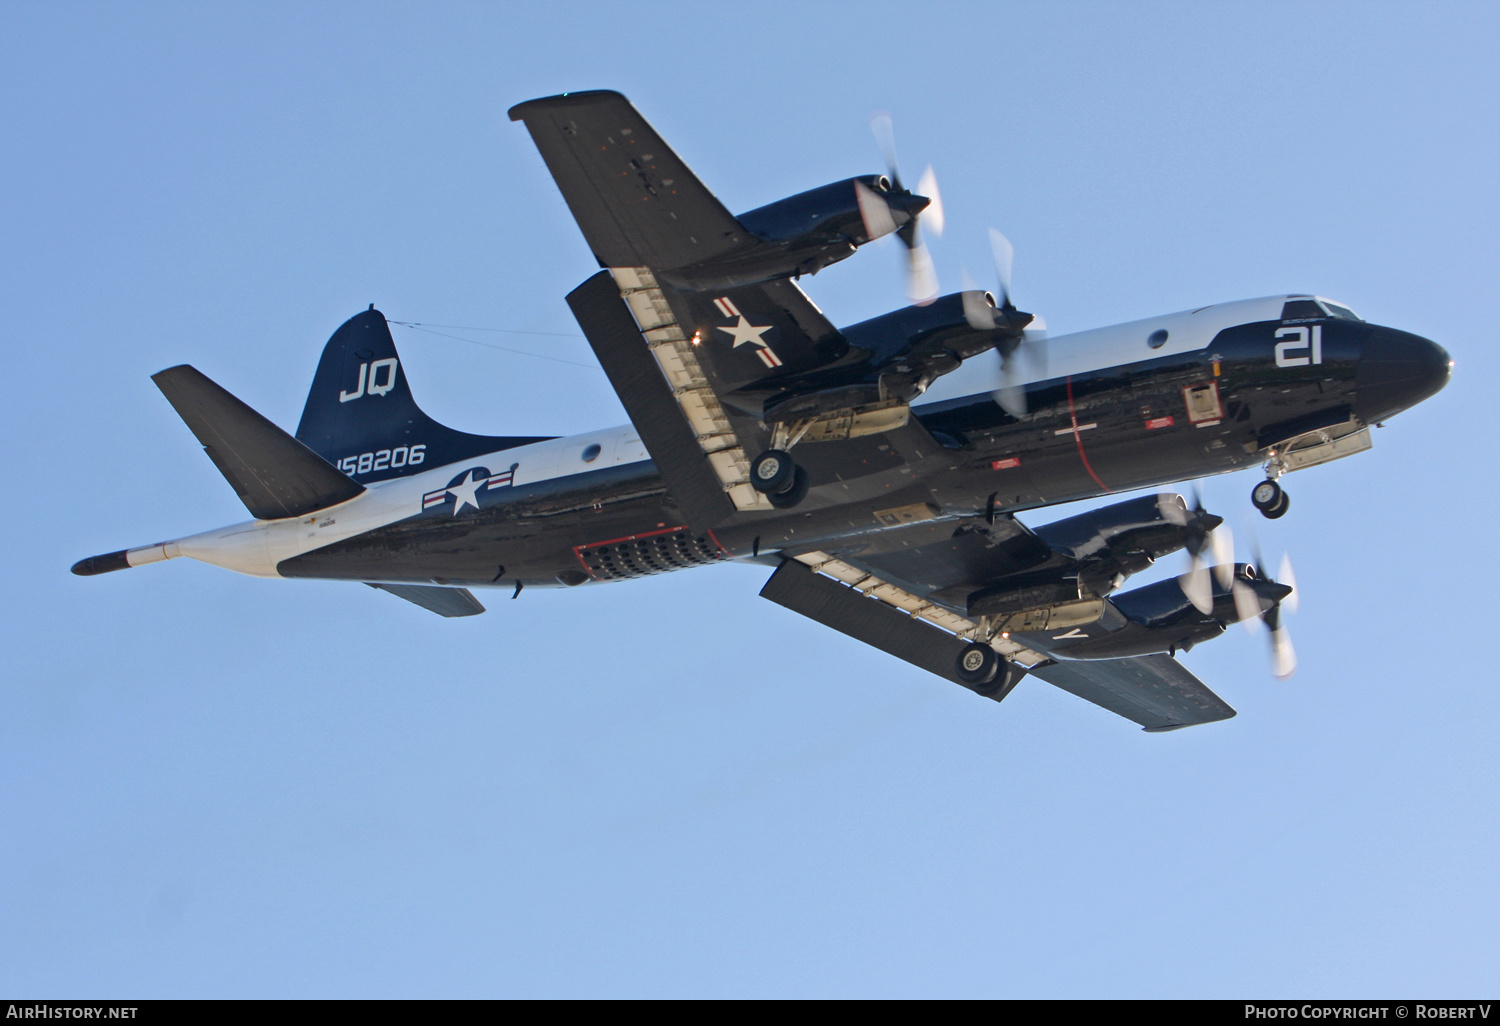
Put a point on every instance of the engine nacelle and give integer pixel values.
(1097, 551)
(1125, 538)
(893, 357)
(803, 234)
(1160, 618)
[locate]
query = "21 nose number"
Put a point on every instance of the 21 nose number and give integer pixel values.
(1299, 340)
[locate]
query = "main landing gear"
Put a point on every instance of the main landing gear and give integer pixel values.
(775, 476)
(977, 664)
(1268, 496)
(984, 670)
(773, 473)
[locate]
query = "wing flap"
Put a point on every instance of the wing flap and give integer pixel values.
(1155, 691)
(877, 623)
(274, 475)
(695, 474)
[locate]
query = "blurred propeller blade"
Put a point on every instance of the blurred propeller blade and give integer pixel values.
(1283, 657)
(932, 217)
(979, 311)
(1012, 393)
(874, 211)
(885, 138)
(1246, 606)
(1221, 543)
(1255, 557)
(1284, 575)
(1197, 585)
(1005, 255)
(1172, 507)
(921, 276)
(1035, 349)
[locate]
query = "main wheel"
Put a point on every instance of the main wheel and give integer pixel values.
(794, 494)
(976, 664)
(1006, 675)
(772, 472)
(1279, 510)
(1266, 496)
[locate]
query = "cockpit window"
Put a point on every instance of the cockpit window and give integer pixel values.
(1301, 309)
(1341, 312)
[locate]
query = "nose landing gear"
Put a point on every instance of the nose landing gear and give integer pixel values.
(1268, 496)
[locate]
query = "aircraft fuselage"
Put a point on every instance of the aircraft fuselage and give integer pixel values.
(592, 508)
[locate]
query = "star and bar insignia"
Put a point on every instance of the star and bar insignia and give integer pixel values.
(742, 331)
(465, 488)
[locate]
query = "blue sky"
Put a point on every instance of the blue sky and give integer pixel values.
(218, 786)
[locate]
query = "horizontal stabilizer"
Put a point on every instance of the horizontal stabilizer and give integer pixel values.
(442, 601)
(94, 565)
(274, 475)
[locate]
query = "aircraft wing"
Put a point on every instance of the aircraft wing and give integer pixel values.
(635, 200)
(691, 369)
(691, 366)
(1155, 691)
(925, 572)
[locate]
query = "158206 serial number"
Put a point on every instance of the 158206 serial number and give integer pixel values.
(384, 459)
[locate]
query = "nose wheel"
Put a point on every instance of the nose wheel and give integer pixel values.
(775, 476)
(1271, 499)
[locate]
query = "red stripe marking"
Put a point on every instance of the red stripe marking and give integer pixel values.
(727, 553)
(1078, 439)
(628, 537)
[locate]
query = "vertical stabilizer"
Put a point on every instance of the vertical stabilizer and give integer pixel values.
(361, 417)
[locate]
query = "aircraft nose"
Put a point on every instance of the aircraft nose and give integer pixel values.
(1396, 371)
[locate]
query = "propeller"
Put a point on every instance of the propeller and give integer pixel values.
(921, 276)
(983, 314)
(1283, 593)
(1258, 599)
(1214, 538)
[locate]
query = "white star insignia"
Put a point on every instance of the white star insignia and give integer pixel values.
(744, 332)
(465, 493)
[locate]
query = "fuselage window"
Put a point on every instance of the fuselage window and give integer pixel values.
(1157, 338)
(592, 453)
